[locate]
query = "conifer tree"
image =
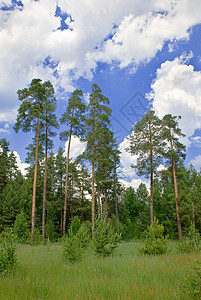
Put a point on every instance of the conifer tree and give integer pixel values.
(174, 154)
(146, 141)
(98, 117)
(73, 118)
(28, 119)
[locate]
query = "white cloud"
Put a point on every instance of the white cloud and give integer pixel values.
(30, 35)
(196, 162)
(127, 159)
(22, 166)
(76, 147)
(177, 91)
(135, 183)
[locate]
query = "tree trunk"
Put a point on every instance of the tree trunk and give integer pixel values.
(106, 197)
(116, 204)
(44, 191)
(99, 205)
(151, 180)
(93, 201)
(66, 183)
(34, 185)
(176, 194)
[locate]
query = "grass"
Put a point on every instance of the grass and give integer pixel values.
(42, 274)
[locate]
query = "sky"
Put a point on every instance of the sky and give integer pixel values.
(142, 54)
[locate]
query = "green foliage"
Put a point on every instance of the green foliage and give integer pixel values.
(75, 224)
(192, 283)
(84, 235)
(7, 251)
(72, 250)
(37, 237)
(155, 242)
(191, 242)
(105, 239)
(21, 228)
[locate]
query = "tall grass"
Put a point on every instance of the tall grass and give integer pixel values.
(42, 274)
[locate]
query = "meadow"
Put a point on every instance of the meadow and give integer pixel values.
(41, 273)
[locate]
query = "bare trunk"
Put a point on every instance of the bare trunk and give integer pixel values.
(44, 191)
(66, 183)
(99, 205)
(176, 195)
(116, 204)
(106, 197)
(34, 185)
(151, 180)
(93, 201)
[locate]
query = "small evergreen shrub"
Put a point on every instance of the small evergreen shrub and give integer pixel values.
(191, 243)
(192, 283)
(75, 244)
(75, 224)
(155, 242)
(72, 250)
(105, 239)
(8, 258)
(21, 228)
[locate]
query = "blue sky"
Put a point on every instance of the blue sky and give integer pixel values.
(139, 53)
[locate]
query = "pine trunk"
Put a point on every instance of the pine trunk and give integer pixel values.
(106, 197)
(44, 191)
(34, 185)
(66, 183)
(151, 180)
(176, 195)
(116, 204)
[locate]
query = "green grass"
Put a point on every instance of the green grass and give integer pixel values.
(42, 274)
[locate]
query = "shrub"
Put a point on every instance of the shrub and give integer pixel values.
(7, 251)
(105, 239)
(75, 224)
(75, 244)
(21, 228)
(155, 242)
(72, 249)
(192, 283)
(191, 242)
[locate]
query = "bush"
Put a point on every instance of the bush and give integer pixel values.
(191, 242)
(155, 242)
(84, 236)
(105, 239)
(21, 228)
(192, 283)
(8, 258)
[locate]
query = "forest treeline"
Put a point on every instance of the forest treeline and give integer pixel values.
(55, 188)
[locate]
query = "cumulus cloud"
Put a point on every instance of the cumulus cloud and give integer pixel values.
(77, 147)
(135, 183)
(32, 43)
(196, 162)
(177, 91)
(22, 166)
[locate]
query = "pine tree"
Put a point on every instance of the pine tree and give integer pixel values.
(28, 119)
(73, 118)
(98, 114)
(174, 153)
(146, 141)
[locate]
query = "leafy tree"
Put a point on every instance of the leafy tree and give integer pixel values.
(174, 153)
(73, 118)
(21, 228)
(4, 163)
(146, 141)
